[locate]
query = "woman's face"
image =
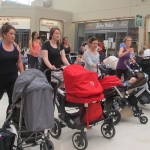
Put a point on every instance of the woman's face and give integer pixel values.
(56, 35)
(94, 44)
(66, 41)
(128, 42)
(36, 36)
(10, 35)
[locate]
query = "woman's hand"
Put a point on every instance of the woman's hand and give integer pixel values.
(94, 66)
(133, 60)
(53, 67)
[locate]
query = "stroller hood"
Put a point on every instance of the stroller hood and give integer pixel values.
(40, 82)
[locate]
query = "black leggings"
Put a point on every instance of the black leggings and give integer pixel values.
(8, 87)
(34, 62)
(119, 73)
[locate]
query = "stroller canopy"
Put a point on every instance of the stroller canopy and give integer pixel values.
(40, 82)
(82, 85)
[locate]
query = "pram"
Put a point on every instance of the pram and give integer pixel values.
(71, 98)
(126, 97)
(32, 110)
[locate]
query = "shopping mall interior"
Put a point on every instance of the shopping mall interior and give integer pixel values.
(125, 125)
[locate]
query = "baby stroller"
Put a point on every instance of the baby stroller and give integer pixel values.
(32, 110)
(127, 97)
(82, 91)
(72, 57)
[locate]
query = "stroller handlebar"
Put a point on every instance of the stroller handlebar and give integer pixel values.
(102, 69)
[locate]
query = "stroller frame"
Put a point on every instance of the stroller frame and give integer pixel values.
(79, 139)
(39, 139)
(125, 97)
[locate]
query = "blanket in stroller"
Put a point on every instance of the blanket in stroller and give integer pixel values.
(82, 85)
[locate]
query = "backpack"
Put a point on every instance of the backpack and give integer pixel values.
(93, 113)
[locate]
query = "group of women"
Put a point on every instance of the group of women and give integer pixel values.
(10, 57)
(53, 54)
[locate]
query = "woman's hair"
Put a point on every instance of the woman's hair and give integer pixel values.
(5, 28)
(127, 37)
(141, 52)
(33, 34)
(92, 39)
(51, 33)
(64, 39)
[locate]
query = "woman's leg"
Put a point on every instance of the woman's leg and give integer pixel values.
(2, 89)
(125, 74)
(9, 90)
(37, 63)
(119, 73)
(32, 61)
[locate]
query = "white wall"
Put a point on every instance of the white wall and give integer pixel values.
(102, 9)
(36, 13)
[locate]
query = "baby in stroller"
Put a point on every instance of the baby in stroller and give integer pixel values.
(29, 121)
(129, 82)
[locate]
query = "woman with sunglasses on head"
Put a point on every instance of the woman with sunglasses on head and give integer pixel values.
(67, 47)
(124, 55)
(35, 50)
(10, 61)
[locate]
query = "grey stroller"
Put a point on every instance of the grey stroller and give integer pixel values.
(32, 111)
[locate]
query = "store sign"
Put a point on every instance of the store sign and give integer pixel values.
(46, 25)
(138, 20)
(17, 23)
(107, 25)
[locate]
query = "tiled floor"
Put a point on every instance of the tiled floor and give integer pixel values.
(130, 134)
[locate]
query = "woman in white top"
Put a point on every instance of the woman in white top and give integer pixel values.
(147, 51)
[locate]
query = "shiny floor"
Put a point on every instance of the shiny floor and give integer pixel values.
(130, 134)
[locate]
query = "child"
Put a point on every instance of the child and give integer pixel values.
(130, 82)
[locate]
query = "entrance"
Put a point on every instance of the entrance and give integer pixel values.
(22, 38)
(100, 36)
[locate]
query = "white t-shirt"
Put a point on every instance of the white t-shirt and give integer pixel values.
(147, 52)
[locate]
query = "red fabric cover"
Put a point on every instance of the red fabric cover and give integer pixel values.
(93, 113)
(82, 85)
(109, 81)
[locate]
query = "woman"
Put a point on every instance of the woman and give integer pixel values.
(53, 53)
(91, 56)
(35, 46)
(124, 54)
(10, 61)
(67, 47)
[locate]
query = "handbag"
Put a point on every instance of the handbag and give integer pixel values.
(7, 139)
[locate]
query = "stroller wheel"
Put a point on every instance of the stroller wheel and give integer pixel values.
(48, 145)
(80, 142)
(115, 114)
(56, 131)
(107, 132)
(143, 119)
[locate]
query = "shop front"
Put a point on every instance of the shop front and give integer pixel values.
(113, 31)
(22, 26)
(46, 25)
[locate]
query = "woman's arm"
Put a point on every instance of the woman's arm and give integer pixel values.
(46, 61)
(20, 64)
(70, 48)
(121, 53)
(88, 60)
(64, 59)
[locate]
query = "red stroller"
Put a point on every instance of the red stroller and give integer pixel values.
(82, 91)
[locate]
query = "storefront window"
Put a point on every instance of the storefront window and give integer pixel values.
(81, 34)
(26, 2)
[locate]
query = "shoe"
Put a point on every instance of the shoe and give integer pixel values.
(62, 124)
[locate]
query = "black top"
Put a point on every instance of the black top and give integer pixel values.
(67, 50)
(54, 55)
(8, 64)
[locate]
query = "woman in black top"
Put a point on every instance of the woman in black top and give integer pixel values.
(53, 53)
(67, 47)
(10, 61)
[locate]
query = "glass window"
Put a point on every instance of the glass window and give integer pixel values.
(26, 2)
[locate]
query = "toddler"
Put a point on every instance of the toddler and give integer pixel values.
(130, 82)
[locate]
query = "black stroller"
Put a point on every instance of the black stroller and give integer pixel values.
(127, 97)
(73, 120)
(32, 111)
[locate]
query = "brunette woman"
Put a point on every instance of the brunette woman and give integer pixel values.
(10, 61)
(35, 49)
